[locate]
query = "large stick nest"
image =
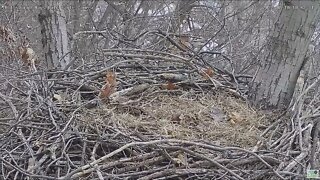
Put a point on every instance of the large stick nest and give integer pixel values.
(54, 126)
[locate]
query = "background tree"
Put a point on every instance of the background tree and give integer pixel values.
(141, 64)
(285, 54)
(54, 34)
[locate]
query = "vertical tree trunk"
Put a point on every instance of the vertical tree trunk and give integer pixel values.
(182, 10)
(76, 24)
(77, 4)
(284, 54)
(54, 34)
(83, 45)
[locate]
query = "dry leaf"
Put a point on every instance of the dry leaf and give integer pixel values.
(207, 73)
(106, 91)
(181, 160)
(109, 87)
(110, 78)
(57, 97)
(235, 118)
(168, 86)
(27, 55)
(171, 86)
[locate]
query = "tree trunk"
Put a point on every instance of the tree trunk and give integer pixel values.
(54, 34)
(284, 54)
(77, 4)
(182, 10)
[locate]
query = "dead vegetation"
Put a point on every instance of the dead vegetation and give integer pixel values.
(218, 117)
(146, 115)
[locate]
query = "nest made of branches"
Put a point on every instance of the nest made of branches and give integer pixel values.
(54, 125)
(220, 117)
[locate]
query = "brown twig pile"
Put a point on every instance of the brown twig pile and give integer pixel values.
(44, 134)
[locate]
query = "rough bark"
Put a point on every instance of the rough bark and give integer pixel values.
(183, 9)
(284, 54)
(77, 4)
(54, 34)
(84, 43)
